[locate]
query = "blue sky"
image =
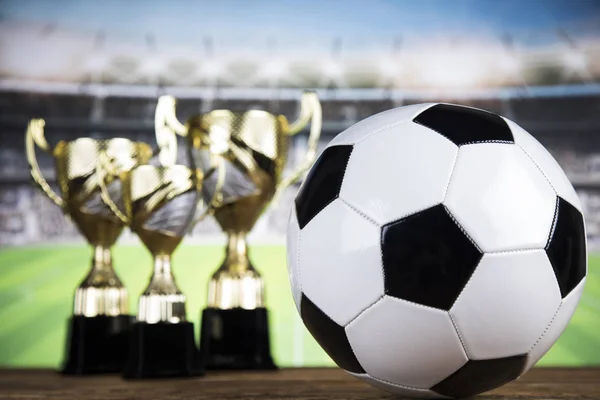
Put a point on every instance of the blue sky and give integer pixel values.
(303, 19)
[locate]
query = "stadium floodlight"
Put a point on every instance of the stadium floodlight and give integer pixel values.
(332, 69)
(152, 66)
(510, 64)
(388, 68)
(211, 69)
(274, 69)
(451, 70)
(97, 63)
(575, 61)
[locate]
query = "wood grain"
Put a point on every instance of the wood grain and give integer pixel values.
(303, 384)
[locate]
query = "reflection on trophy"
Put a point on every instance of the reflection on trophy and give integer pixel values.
(97, 341)
(159, 204)
(254, 145)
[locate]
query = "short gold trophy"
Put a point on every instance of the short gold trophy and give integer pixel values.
(98, 329)
(159, 205)
(234, 332)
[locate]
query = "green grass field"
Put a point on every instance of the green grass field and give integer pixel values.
(37, 285)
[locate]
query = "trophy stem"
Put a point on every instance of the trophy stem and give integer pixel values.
(98, 330)
(236, 284)
(102, 257)
(162, 301)
(236, 254)
(101, 292)
(162, 341)
(162, 267)
(235, 328)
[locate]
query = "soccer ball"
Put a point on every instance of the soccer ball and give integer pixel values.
(436, 249)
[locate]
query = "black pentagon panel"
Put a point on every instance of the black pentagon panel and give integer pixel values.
(566, 247)
(329, 335)
(480, 376)
(323, 183)
(464, 125)
(427, 259)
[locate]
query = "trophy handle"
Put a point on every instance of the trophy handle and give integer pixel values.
(167, 127)
(103, 169)
(35, 136)
(310, 110)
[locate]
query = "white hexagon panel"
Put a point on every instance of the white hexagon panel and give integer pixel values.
(405, 343)
(558, 325)
(507, 305)
(340, 263)
(387, 179)
(501, 198)
(377, 122)
(546, 163)
(292, 238)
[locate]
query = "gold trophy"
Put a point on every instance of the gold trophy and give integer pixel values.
(159, 205)
(254, 146)
(97, 339)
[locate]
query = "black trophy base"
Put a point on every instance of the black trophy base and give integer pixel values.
(235, 339)
(96, 345)
(162, 350)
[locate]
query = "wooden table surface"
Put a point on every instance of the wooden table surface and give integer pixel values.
(305, 383)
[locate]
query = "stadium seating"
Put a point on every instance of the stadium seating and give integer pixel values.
(567, 126)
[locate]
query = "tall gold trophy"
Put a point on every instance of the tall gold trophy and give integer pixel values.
(254, 145)
(98, 328)
(159, 205)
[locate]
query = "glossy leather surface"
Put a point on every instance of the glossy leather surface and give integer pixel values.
(557, 327)
(398, 171)
(293, 267)
(499, 196)
(547, 164)
(480, 376)
(567, 247)
(323, 183)
(407, 344)
(507, 305)
(464, 212)
(427, 259)
(340, 262)
(463, 125)
(367, 126)
(329, 335)
(399, 390)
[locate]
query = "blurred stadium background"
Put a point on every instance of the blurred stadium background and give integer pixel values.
(96, 69)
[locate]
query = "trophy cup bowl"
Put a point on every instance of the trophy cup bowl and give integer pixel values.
(254, 146)
(97, 339)
(159, 204)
